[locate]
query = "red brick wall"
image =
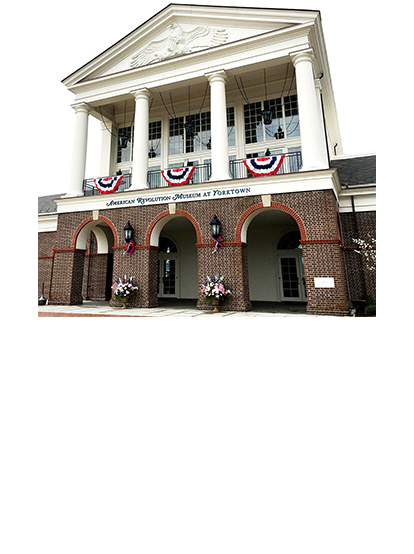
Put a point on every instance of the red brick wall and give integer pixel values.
(362, 281)
(315, 212)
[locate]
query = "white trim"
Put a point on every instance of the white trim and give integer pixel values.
(47, 223)
(295, 182)
(365, 199)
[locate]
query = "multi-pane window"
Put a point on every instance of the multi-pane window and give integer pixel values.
(198, 132)
(284, 120)
(176, 136)
(154, 148)
(124, 145)
(292, 116)
(126, 138)
(253, 125)
(193, 133)
(231, 132)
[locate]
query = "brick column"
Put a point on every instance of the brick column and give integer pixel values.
(230, 261)
(324, 259)
(142, 265)
(67, 279)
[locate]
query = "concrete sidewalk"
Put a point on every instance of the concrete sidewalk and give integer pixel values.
(172, 308)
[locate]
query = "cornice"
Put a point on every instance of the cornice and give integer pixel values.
(231, 55)
(254, 18)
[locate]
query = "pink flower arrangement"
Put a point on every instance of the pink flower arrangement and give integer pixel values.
(214, 287)
(124, 288)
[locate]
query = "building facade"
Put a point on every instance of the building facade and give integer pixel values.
(212, 111)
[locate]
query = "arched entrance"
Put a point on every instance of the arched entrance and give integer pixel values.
(94, 277)
(177, 258)
(276, 271)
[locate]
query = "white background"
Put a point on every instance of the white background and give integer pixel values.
(142, 436)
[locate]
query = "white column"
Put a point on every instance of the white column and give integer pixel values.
(314, 155)
(106, 148)
(219, 149)
(80, 142)
(140, 151)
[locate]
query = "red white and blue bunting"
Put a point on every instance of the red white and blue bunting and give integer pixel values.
(264, 166)
(217, 241)
(179, 176)
(129, 247)
(108, 184)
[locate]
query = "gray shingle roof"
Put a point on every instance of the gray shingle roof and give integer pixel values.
(356, 171)
(46, 204)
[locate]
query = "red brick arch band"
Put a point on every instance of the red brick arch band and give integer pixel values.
(100, 218)
(164, 214)
(277, 205)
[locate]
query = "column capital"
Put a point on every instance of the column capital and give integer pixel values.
(302, 56)
(81, 108)
(142, 93)
(216, 76)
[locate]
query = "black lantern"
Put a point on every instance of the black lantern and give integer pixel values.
(128, 230)
(267, 116)
(123, 141)
(280, 134)
(189, 127)
(152, 153)
(215, 227)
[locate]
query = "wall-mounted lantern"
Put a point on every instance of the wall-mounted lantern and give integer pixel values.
(128, 231)
(215, 227)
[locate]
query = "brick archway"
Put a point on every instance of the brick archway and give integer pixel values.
(249, 214)
(155, 227)
(89, 220)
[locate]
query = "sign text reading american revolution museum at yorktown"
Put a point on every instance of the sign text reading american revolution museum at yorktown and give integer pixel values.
(179, 196)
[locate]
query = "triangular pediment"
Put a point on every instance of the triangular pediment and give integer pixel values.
(181, 30)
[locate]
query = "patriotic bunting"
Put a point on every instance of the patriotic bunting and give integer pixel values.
(129, 246)
(264, 166)
(217, 241)
(179, 176)
(108, 184)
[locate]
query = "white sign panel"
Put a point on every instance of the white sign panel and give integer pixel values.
(324, 282)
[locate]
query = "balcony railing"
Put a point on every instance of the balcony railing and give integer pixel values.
(292, 163)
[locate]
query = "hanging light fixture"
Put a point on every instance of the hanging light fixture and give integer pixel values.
(123, 139)
(279, 134)
(267, 112)
(189, 122)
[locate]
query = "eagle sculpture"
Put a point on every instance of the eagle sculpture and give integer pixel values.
(177, 43)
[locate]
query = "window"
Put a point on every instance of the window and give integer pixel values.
(124, 154)
(231, 132)
(292, 116)
(284, 124)
(200, 138)
(290, 241)
(154, 147)
(176, 143)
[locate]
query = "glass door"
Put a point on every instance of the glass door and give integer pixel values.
(290, 277)
(168, 275)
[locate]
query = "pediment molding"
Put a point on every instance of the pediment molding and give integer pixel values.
(183, 29)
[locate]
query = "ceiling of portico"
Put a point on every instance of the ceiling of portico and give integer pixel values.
(192, 96)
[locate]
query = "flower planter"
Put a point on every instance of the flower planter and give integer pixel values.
(124, 301)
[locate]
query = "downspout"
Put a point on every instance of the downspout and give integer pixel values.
(360, 257)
